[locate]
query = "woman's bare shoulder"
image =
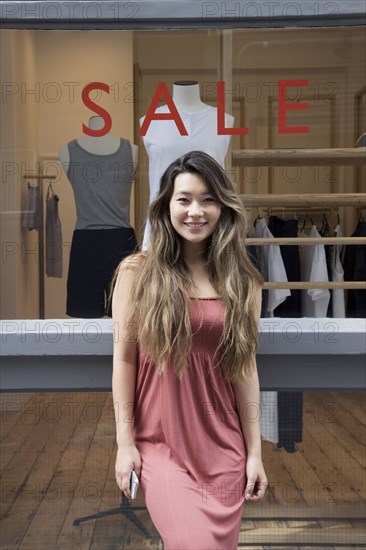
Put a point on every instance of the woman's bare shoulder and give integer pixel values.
(133, 261)
(127, 271)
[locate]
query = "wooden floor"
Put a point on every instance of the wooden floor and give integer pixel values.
(57, 465)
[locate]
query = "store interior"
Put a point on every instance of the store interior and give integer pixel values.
(45, 72)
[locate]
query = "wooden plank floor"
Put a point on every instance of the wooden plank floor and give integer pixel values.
(57, 464)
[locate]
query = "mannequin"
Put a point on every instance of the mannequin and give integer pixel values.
(186, 97)
(164, 143)
(103, 145)
(101, 171)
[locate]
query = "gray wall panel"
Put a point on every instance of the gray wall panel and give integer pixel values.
(70, 354)
(69, 373)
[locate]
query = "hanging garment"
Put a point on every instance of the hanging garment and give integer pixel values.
(361, 142)
(53, 236)
(289, 404)
(164, 144)
(32, 215)
(270, 265)
(326, 232)
(355, 270)
(279, 227)
(290, 416)
(314, 268)
(337, 275)
(102, 186)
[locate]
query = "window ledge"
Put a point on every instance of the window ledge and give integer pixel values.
(278, 336)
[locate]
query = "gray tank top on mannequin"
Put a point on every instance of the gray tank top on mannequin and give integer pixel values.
(102, 186)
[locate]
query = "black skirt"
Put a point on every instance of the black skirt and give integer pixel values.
(94, 256)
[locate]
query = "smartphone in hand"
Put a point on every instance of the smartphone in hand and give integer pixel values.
(134, 484)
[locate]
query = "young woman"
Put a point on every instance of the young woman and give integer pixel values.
(185, 382)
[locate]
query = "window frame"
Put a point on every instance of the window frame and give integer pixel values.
(178, 14)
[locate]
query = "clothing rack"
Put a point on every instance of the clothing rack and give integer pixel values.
(293, 201)
(40, 178)
(303, 201)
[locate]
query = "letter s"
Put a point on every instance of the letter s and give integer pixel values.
(96, 109)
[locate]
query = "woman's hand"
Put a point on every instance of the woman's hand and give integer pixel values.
(256, 479)
(128, 458)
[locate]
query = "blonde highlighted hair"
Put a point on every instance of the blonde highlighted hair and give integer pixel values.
(163, 283)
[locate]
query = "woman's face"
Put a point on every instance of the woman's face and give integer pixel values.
(194, 211)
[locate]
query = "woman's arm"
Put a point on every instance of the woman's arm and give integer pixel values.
(247, 399)
(124, 379)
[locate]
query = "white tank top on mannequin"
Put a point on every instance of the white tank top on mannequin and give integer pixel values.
(164, 143)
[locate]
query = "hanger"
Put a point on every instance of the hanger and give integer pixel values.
(34, 185)
(50, 189)
(334, 232)
(307, 218)
(325, 230)
(259, 217)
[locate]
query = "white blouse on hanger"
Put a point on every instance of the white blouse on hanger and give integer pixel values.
(270, 265)
(313, 264)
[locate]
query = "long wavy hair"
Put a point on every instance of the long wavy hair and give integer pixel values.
(163, 283)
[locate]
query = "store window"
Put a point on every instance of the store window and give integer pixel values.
(301, 89)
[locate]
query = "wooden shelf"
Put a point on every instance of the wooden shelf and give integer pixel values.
(319, 199)
(301, 157)
(296, 241)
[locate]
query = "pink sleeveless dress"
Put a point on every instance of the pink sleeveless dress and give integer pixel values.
(191, 444)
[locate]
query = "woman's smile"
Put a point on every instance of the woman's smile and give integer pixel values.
(195, 227)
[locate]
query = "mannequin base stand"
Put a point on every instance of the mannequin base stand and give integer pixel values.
(127, 510)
